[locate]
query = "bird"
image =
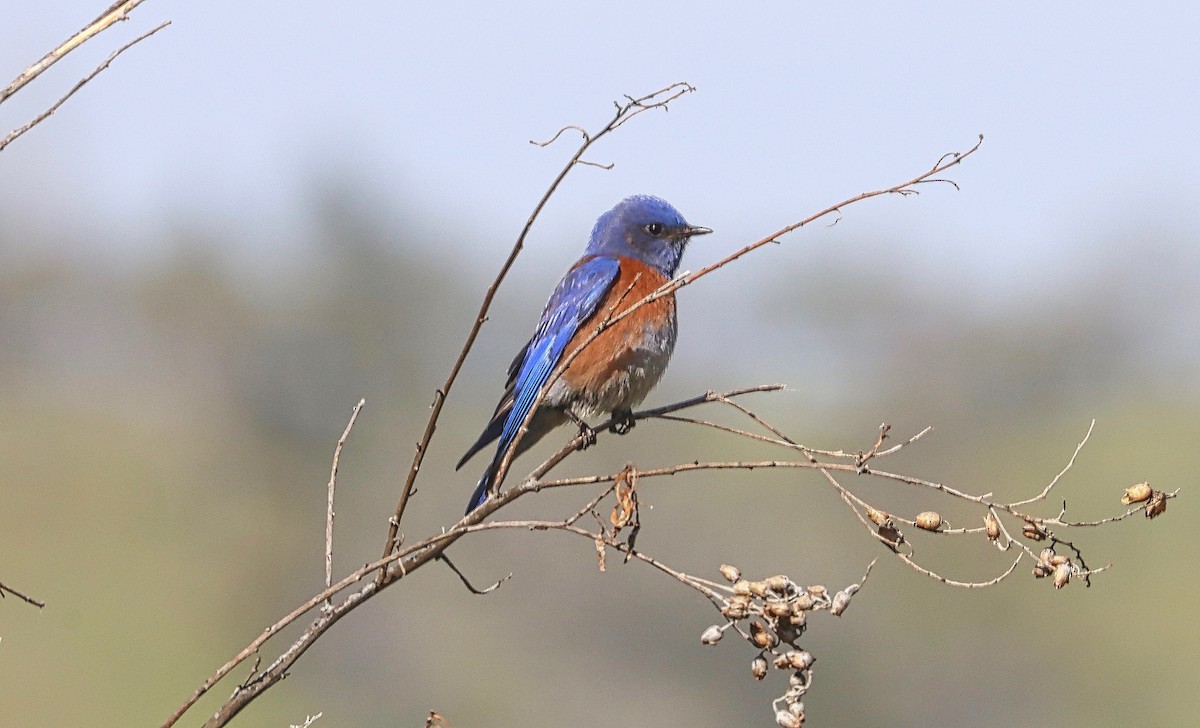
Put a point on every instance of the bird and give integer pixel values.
(634, 248)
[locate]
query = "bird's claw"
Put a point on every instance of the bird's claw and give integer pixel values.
(623, 422)
(588, 434)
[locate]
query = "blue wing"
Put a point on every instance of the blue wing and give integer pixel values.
(573, 302)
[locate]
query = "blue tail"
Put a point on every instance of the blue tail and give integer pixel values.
(481, 491)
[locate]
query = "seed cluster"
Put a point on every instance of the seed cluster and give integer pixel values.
(776, 609)
(1053, 564)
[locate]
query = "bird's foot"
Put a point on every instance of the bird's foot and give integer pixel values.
(586, 431)
(588, 434)
(623, 422)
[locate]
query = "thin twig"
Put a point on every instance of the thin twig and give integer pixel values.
(333, 471)
(467, 582)
(1046, 491)
(754, 416)
(23, 597)
(731, 430)
(960, 584)
(117, 12)
(16, 133)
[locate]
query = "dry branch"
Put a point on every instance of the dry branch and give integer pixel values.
(4, 588)
(118, 12)
(331, 489)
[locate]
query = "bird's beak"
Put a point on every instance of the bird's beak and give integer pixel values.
(692, 230)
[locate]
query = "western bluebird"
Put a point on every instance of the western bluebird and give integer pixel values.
(634, 248)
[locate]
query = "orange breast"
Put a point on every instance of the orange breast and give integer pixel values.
(619, 366)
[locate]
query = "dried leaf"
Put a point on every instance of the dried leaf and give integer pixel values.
(625, 512)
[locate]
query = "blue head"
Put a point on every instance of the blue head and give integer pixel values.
(646, 228)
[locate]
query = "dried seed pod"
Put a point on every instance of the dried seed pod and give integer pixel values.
(841, 601)
(991, 526)
(1033, 531)
(800, 659)
(1137, 493)
(929, 520)
(761, 636)
(737, 608)
(877, 517)
(1157, 505)
(777, 609)
(798, 620)
(1062, 575)
(1046, 555)
(1058, 559)
(797, 683)
(781, 662)
(712, 635)
(778, 584)
(741, 587)
(758, 668)
(786, 720)
(731, 573)
(817, 591)
(803, 602)
(797, 709)
(1040, 571)
(758, 588)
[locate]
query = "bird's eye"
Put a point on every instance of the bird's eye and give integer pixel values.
(655, 228)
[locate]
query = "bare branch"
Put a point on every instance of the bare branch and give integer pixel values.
(551, 140)
(467, 582)
(23, 597)
(16, 133)
(309, 720)
(333, 471)
(1046, 491)
(954, 158)
(117, 12)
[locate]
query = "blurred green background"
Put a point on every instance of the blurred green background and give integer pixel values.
(203, 266)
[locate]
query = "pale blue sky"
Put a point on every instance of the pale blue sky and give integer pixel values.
(233, 113)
